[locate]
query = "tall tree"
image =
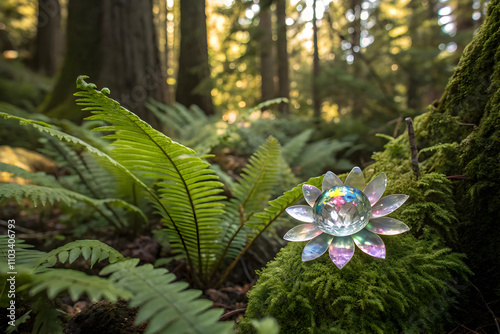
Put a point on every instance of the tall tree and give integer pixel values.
(114, 42)
(193, 77)
(283, 58)
(315, 90)
(129, 42)
(49, 41)
(266, 52)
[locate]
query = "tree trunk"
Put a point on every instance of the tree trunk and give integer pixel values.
(129, 42)
(114, 43)
(315, 91)
(284, 81)
(266, 54)
(193, 78)
(49, 43)
(357, 104)
(83, 37)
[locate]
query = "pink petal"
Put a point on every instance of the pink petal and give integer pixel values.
(341, 251)
(316, 247)
(370, 243)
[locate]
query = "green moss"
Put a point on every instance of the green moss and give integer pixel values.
(408, 291)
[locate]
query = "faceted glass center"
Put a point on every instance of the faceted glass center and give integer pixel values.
(342, 211)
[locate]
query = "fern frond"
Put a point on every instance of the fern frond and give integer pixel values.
(267, 103)
(94, 250)
(256, 185)
(44, 195)
(76, 283)
(25, 255)
(39, 177)
(294, 147)
(261, 220)
(46, 128)
(168, 307)
(46, 319)
(189, 191)
(191, 127)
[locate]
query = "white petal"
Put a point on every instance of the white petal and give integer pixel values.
(386, 226)
(330, 180)
(311, 193)
(302, 232)
(388, 204)
(375, 188)
(316, 247)
(355, 179)
(303, 213)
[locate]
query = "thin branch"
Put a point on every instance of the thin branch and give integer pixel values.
(231, 313)
(413, 147)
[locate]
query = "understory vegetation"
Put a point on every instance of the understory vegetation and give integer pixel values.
(176, 225)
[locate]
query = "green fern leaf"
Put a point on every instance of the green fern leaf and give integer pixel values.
(25, 255)
(44, 195)
(256, 185)
(76, 283)
(39, 178)
(167, 305)
(96, 250)
(190, 204)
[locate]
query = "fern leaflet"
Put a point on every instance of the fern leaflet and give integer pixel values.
(168, 307)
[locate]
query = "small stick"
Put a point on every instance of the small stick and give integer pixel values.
(413, 147)
(231, 313)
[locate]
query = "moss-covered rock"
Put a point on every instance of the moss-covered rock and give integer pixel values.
(466, 125)
(408, 291)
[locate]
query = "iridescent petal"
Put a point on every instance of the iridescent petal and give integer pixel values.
(303, 213)
(387, 205)
(316, 247)
(330, 180)
(302, 232)
(386, 226)
(311, 193)
(375, 188)
(341, 250)
(370, 243)
(356, 179)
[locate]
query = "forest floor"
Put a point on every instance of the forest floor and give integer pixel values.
(103, 317)
(42, 228)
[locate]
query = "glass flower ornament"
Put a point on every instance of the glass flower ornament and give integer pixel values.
(344, 214)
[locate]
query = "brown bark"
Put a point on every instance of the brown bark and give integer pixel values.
(193, 78)
(316, 69)
(114, 43)
(282, 50)
(266, 54)
(82, 57)
(129, 42)
(48, 43)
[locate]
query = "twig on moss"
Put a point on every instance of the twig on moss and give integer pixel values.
(231, 313)
(413, 147)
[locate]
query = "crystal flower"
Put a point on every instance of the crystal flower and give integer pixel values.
(343, 215)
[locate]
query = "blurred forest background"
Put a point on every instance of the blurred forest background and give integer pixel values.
(347, 69)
